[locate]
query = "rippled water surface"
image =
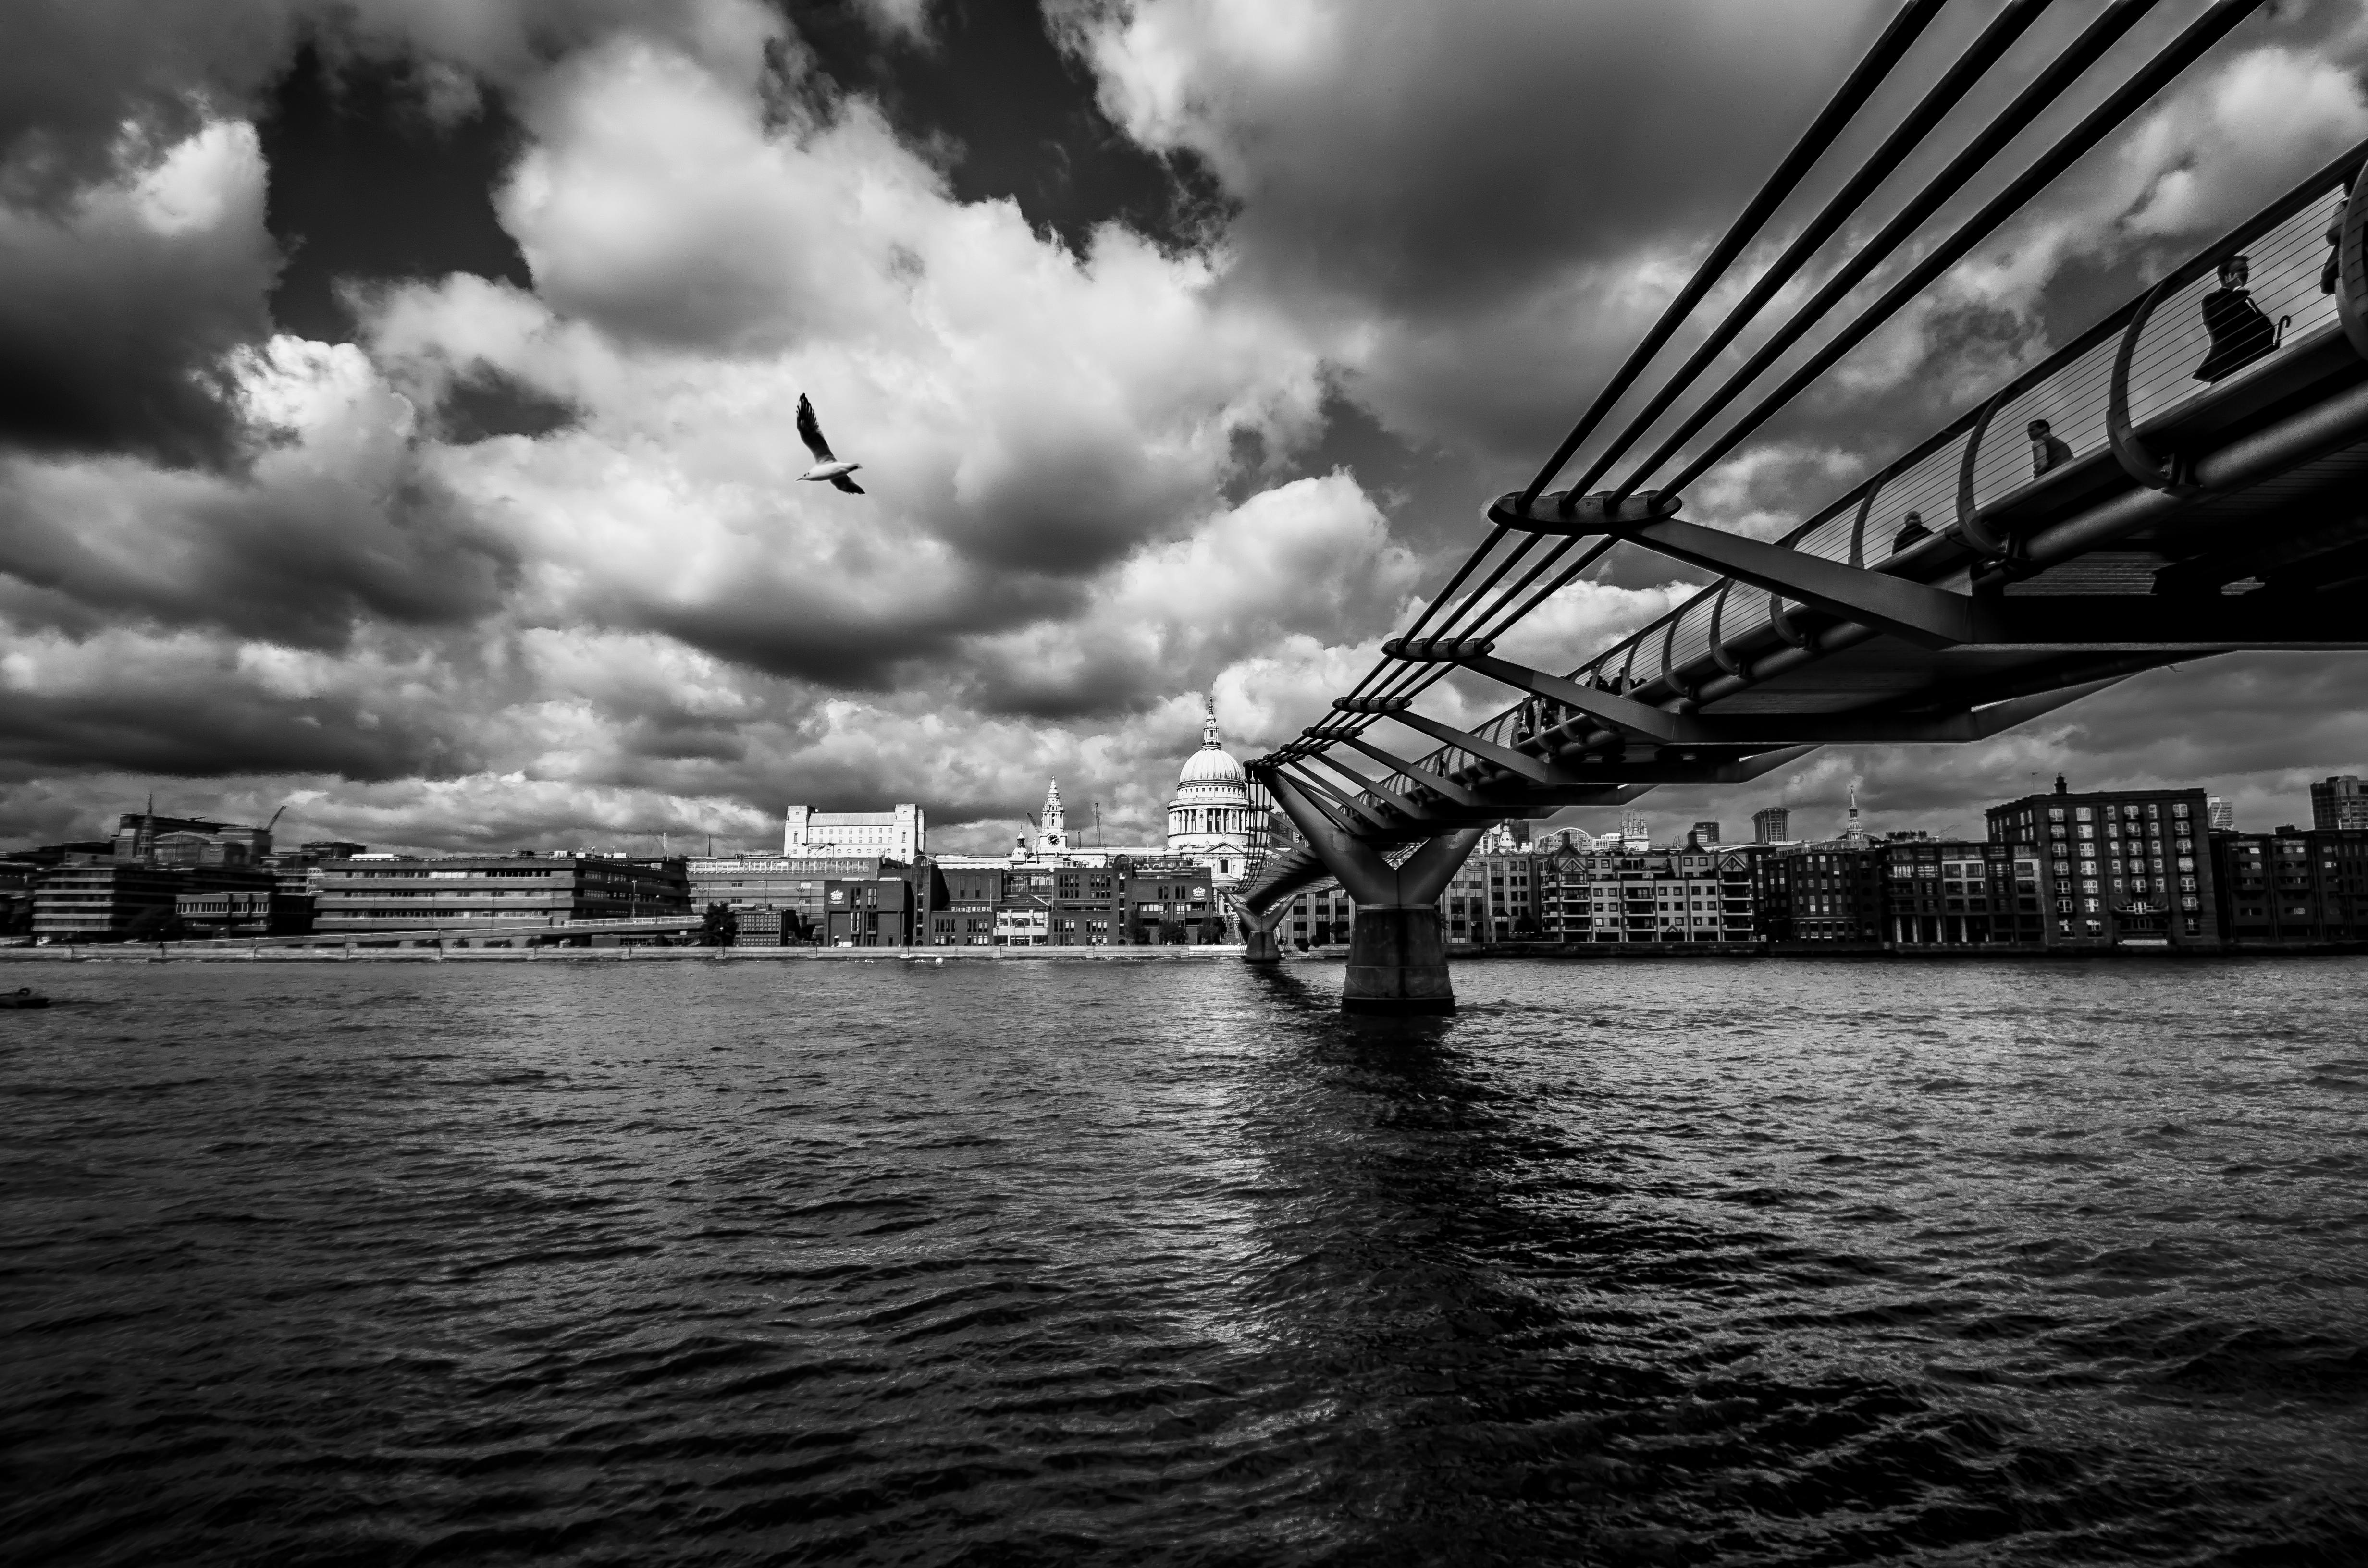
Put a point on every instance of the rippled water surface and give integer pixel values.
(1165, 1263)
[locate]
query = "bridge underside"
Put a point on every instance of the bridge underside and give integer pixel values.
(2063, 587)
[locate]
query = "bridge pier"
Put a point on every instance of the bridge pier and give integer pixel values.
(1397, 963)
(1259, 945)
(1397, 955)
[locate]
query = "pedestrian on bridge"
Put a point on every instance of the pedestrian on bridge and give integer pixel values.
(2047, 449)
(2240, 333)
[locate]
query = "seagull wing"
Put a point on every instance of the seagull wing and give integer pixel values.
(810, 432)
(846, 485)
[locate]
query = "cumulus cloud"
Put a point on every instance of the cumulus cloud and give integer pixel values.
(331, 525)
(529, 564)
(1495, 193)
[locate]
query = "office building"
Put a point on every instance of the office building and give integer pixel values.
(297, 874)
(88, 899)
(1704, 835)
(2338, 803)
(899, 834)
(2221, 815)
(150, 839)
(258, 911)
(398, 892)
(2114, 867)
(128, 888)
(1771, 825)
(963, 902)
(100, 898)
(794, 889)
(767, 928)
(1492, 898)
(2292, 885)
(874, 911)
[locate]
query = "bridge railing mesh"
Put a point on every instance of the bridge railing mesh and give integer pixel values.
(1919, 494)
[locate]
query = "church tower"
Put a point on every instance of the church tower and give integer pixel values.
(1051, 838)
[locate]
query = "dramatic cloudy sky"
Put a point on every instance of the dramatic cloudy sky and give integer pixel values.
(395, 395)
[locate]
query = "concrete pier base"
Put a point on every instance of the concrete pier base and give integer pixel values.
(1397, 963)
(1259, 945)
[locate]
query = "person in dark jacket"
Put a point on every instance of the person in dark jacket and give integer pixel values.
(2240, 333)
(2327, 273)
(1911, 528)
(2047, 450)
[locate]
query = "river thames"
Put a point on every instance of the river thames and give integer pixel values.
(1096, 1263)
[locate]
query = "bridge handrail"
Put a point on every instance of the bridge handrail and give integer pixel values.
(1636, 655)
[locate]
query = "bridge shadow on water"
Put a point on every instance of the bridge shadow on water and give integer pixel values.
(1538, 1343)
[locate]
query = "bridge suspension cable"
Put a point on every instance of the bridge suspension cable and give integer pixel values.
(2005, 28)
(2157, 72)
(1859, 85)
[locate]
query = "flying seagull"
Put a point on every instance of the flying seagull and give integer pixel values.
(825, 465)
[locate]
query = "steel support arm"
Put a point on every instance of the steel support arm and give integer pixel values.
(1620, 712)
(1371, 880)
(1460, 795)
(1931, 617)
(1406, 806)
(1504, 756)
(1346, 801)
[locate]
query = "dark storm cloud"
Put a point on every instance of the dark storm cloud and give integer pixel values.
(786, 628)
(302, 565)
(1436, 155)
(74, 73)
(205, 724)
(112, 334)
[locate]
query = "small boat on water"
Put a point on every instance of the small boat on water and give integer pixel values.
(23, 996)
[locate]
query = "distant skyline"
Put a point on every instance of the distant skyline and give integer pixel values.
(397, 422)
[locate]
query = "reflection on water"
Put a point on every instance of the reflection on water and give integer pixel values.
(1672, 1263)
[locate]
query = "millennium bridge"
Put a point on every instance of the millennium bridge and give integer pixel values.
(2183, 479)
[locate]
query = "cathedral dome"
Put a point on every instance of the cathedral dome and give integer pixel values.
(1212, 766)
(1211, 812)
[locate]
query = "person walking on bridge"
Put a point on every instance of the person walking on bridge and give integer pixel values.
(2047, 449)
(2240, 333)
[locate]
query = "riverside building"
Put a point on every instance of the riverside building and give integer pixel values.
(131, 887)
(1955, 893)
(2337, 803)
(1669, 895)
(394, 892)
(2291, 886)
(782, 896)
(2116, 868)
